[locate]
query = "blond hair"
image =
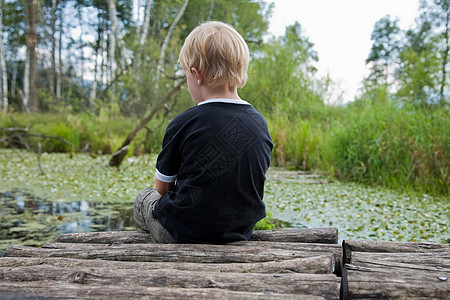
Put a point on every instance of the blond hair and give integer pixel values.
(218, 52)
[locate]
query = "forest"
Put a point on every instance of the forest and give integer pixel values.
(101, 77)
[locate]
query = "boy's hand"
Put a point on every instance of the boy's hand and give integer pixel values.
(163, 187)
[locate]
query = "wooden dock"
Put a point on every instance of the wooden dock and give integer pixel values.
(277, 264)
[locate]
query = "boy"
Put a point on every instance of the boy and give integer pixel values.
(210, 173)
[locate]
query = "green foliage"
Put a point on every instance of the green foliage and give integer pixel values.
(418, 77)
(411, 64)
(269, 223)
(84, 132)
(395, 147)
(296, 143)
(280, 76)
(374, 143)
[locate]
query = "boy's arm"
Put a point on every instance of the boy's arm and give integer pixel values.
(163, 187)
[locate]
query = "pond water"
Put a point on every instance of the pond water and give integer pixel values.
(79, 193)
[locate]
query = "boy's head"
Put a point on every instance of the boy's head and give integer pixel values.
(218, 52)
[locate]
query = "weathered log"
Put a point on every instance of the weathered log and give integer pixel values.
(236, 252)
(436, 260)
(401, 267)
(324, 285)
(109, 237)
(389, 247)
(304, 235)
(393, 283)
(66, 290)
(323, 264)
(239, 252)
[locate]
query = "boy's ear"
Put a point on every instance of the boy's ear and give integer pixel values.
(197, 75)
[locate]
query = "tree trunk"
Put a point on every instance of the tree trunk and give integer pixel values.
(320, 264)
(211, 10)
(66, 290)
(32, 5)
(26, 84)
(117, 37)
(14, 79)
(97, 66)
(52, 79)
(146, 25)
(112, 44)
(4, 76)
(59, 73)
(80, 42)
(160, 67)
(120, 154)
(445, 59)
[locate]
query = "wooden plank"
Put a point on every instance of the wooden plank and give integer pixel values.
(239, 252)
(108, 237)
(66, 290)
(389, 247)
(304, 235)
(200, 253)
(324, 285)
(393, 283)
(401, 267)
(437, 260)
(322, 264)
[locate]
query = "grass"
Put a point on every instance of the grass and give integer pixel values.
(400, 148)
(82, 132)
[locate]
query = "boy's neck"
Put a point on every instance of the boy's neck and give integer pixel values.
(219, 92)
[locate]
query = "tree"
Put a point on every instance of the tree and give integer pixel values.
(4, 79)
(52, 79)
(288, 62)
(440, 14)
(33, 72)
(180, 13)
(424, 57)
(383, 56)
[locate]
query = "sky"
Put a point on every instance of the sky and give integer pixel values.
(340, 31)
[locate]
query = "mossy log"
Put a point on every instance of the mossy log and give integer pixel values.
(396, 281)
(66, 290)
(322, 264)
(324, 285)
(304, 235)
(390, 247)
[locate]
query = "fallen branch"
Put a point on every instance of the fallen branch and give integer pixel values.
(116, 160)
(20, 132)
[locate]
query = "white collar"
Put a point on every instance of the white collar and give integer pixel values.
(225, 100)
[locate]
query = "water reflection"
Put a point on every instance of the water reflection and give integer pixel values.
(27, 219)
